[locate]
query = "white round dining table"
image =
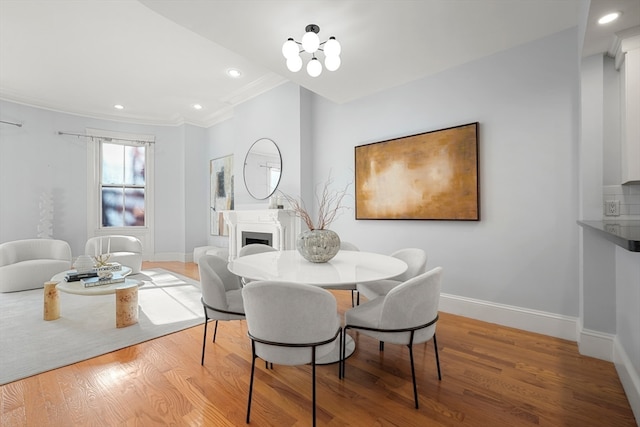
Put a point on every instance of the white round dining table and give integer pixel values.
(343, 271)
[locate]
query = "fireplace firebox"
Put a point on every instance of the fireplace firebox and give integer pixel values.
(251, 237)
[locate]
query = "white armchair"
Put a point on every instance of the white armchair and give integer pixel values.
(127, 250)
(27, 264)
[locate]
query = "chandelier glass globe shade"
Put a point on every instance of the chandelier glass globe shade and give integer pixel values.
(332, 47)
(294, 64)
(290, 49)
(314, 67)
(310, 42)
(332, 63)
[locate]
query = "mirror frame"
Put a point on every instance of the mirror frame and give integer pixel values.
(244, 170)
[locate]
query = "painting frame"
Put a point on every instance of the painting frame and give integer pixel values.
(221, 179)
(433, 175)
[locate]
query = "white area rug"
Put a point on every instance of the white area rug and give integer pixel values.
(167, 302)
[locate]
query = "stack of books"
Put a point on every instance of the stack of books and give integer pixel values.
(74, 276)
(100, 281)
(112, 266)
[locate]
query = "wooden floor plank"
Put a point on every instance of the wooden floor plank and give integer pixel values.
(491, 376)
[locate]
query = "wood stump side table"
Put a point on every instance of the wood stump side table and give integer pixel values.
(51, 301)
(126, 305)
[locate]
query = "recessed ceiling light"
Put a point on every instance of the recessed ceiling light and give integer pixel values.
(232, 72)
(197, 107)
(118, 107)
(610, 17)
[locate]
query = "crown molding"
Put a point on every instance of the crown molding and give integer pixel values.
(618, 48)
(247, 92)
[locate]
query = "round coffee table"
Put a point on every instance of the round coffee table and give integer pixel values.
(126, 294)
(79, 289)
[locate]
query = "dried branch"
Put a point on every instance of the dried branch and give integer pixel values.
(329, 206)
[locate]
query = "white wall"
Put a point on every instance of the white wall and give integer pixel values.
(523, 251)
(274, 115)
(196, 206)
(609, 275)
(34, 158)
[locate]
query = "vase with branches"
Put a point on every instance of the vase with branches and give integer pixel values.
(318, 243)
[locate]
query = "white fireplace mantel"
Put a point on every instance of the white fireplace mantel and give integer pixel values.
(282, 224)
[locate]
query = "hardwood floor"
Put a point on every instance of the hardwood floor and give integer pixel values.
(491, 376)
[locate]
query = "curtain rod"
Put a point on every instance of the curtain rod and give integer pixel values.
(106, 138)
(11, 123)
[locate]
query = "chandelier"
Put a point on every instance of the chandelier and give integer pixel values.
(311, 44)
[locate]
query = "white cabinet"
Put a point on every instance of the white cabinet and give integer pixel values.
(630, 143)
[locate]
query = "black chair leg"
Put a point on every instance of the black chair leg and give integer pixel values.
(381, 345)
(313, 383)
(355, 297)
(343, 354)
(253, 369)
(413, 376)
(215, 331)
(204, 340)
(435, 346)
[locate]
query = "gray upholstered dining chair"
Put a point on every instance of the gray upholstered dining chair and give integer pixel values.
(416, 260)
(255, 248)
(291, 324)
(221, 294)
(406, 315)
(348, 246)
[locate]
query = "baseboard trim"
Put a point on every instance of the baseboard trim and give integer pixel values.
(628, 377)
(596, 344)
(541, 322)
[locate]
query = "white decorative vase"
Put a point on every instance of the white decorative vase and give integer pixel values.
(318, 245)
(84, 264)
(45, 226)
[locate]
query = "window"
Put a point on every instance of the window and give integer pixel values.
(120, 190)
(122, 184)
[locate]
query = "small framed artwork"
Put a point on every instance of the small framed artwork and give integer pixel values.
(428, 176)
(221, 176)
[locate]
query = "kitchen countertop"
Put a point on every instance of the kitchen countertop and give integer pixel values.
(624, 233)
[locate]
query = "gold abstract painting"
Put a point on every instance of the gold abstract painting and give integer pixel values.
(432, 175)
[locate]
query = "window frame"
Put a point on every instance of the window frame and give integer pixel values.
(94, 188)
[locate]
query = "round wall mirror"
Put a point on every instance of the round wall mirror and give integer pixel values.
(262, 169)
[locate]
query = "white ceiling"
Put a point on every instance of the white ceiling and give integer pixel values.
(159, 57)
